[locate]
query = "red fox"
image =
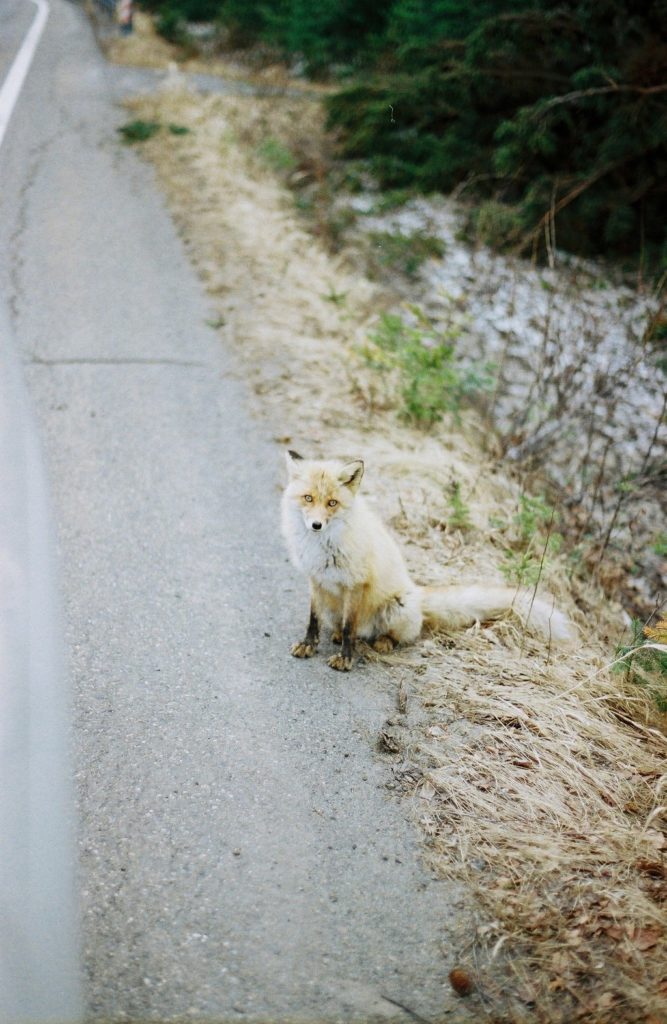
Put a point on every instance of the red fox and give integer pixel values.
(359, 583)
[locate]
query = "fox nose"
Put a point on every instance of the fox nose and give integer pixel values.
(316, 525)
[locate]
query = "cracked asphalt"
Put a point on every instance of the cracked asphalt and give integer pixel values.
(241, 855)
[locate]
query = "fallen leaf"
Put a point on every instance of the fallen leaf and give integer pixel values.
(654, 868)
(388, 743)
(646, 938)
(461, 981)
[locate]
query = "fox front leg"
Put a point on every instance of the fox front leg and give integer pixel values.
(342, 662)
(308, 646)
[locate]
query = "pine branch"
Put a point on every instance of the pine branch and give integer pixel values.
(615, 87)
(565, 201)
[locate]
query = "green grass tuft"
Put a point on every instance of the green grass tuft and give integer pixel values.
(139, 131)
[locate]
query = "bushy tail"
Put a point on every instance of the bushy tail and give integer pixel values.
(458, 607)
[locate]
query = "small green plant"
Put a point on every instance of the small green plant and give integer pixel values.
(432, 382)
(533, 514)
(334, 226)
(392, 199)
(404, 253)
(576, 561)
(660, 545)
(304, 202)
(459, 517)
(337, 298)
(644, 660)
(276, 155)
(522, 567)
(179, 129)
(497, 225)
(535, 541)
(171, 24)
(139, 131)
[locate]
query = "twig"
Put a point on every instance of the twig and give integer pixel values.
(622, 498)
(565, 201)
(550, 230)
(537, 583)
(601, 90)
(624, 495)
(498, 381)
(406, 1009)
(658, 424)
(596, 490)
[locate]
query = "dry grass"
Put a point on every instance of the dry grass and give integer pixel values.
(147, 49)
(537, 779)
(143, 48)
(550, 810)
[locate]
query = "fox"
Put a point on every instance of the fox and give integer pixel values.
(360, 587)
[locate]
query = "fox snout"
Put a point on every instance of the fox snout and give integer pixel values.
(316, 521)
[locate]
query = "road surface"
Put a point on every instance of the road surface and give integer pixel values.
(241, 857)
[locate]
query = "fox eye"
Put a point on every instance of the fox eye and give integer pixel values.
(308, 497)
(332, 503)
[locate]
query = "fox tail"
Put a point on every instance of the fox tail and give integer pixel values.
(461, 606)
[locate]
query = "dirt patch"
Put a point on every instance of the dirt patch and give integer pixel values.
(535, 776)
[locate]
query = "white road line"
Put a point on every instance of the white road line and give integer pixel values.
(11, 87)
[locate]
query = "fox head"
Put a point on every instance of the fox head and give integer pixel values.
(322, 490)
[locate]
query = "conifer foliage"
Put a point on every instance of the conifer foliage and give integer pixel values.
(557, 111)
(556, 114)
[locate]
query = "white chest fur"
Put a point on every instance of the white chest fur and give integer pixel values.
(319, 554)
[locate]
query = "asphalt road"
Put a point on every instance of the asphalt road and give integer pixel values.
(240, 854)
(16, 17)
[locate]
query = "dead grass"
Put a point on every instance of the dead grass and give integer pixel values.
(538, 780)
(145, 48)
(550, 811)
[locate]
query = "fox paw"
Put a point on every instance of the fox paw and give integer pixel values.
(383, 644)
(340, 663)
(304, 649)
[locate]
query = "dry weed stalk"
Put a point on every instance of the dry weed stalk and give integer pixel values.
(545, 798)
(551, 812)
(613, 483)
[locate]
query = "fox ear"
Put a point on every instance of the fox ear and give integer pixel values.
(292, 458)
(351, 474)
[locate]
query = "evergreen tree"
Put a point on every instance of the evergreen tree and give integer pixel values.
(561, 112)
(552, 111)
